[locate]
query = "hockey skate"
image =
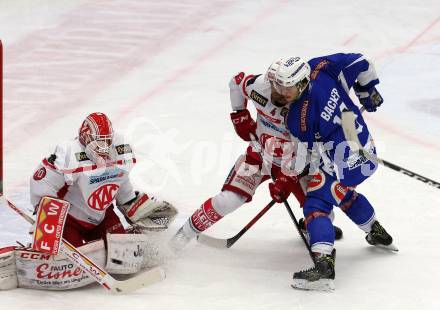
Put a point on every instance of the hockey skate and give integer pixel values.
(302, 226)
(179, 241)
(379, 237)
(319, 278)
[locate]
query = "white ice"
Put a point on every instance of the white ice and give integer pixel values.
(160, 70)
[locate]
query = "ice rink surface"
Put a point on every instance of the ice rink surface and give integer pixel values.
(160, 70)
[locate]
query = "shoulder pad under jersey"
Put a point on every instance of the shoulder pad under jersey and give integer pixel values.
(69, 155)
(259, 90)
(122, 146)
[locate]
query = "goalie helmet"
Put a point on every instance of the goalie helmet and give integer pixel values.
(96, 134)
(287, 73)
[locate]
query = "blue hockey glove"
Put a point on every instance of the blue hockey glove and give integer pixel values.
(368, 97)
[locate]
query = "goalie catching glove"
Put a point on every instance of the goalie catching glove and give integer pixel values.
(149, 213)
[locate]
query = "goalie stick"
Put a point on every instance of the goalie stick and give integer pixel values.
(97, 273)
(349, 128)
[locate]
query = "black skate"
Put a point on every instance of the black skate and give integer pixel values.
(302, 226)
(319, 278)
(379, 237)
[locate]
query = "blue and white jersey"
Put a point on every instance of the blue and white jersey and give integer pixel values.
(315, 118)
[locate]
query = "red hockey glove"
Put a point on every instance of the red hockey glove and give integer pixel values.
(244, 125)
(282, 187)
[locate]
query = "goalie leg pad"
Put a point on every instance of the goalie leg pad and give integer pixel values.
(8, 269)
(129, 253)
(36, 270)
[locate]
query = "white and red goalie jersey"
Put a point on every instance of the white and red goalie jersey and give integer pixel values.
(272, 133)
(70, 175)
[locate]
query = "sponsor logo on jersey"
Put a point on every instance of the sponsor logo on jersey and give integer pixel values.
(81, 156)
(101, 198)
(303, 119)
(338, 191)
(105, 177)
(40, 174)
(272, 126)
(331, 105)
(260, 99)
(355, 160)
(318, 68)
(123, 149)
(270, 118)
(316, 182)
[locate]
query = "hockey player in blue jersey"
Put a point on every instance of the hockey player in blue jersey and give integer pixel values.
(320, 88)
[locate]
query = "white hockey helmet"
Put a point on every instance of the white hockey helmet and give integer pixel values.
(287, 72)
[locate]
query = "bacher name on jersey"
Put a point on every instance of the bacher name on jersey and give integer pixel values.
(315, 117)
(70, 175)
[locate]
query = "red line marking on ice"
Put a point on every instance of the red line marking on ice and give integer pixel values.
(77, 82)
(349, 39)
(184, 71)
(421, 34)
(404, 48)
(393, 129)
(398, 132)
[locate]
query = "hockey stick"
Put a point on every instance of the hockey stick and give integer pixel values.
(258, 147)
(227, 243)
(348, 126)
(97, 273)
(295, 221)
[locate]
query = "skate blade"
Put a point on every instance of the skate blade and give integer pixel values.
(326, 285)
(390, 247)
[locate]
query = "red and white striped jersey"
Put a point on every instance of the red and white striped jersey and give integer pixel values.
(271, 120)
(70, 175)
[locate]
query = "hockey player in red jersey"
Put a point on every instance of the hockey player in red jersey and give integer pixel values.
(269, 155)
(91, 172)
(90, 175)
